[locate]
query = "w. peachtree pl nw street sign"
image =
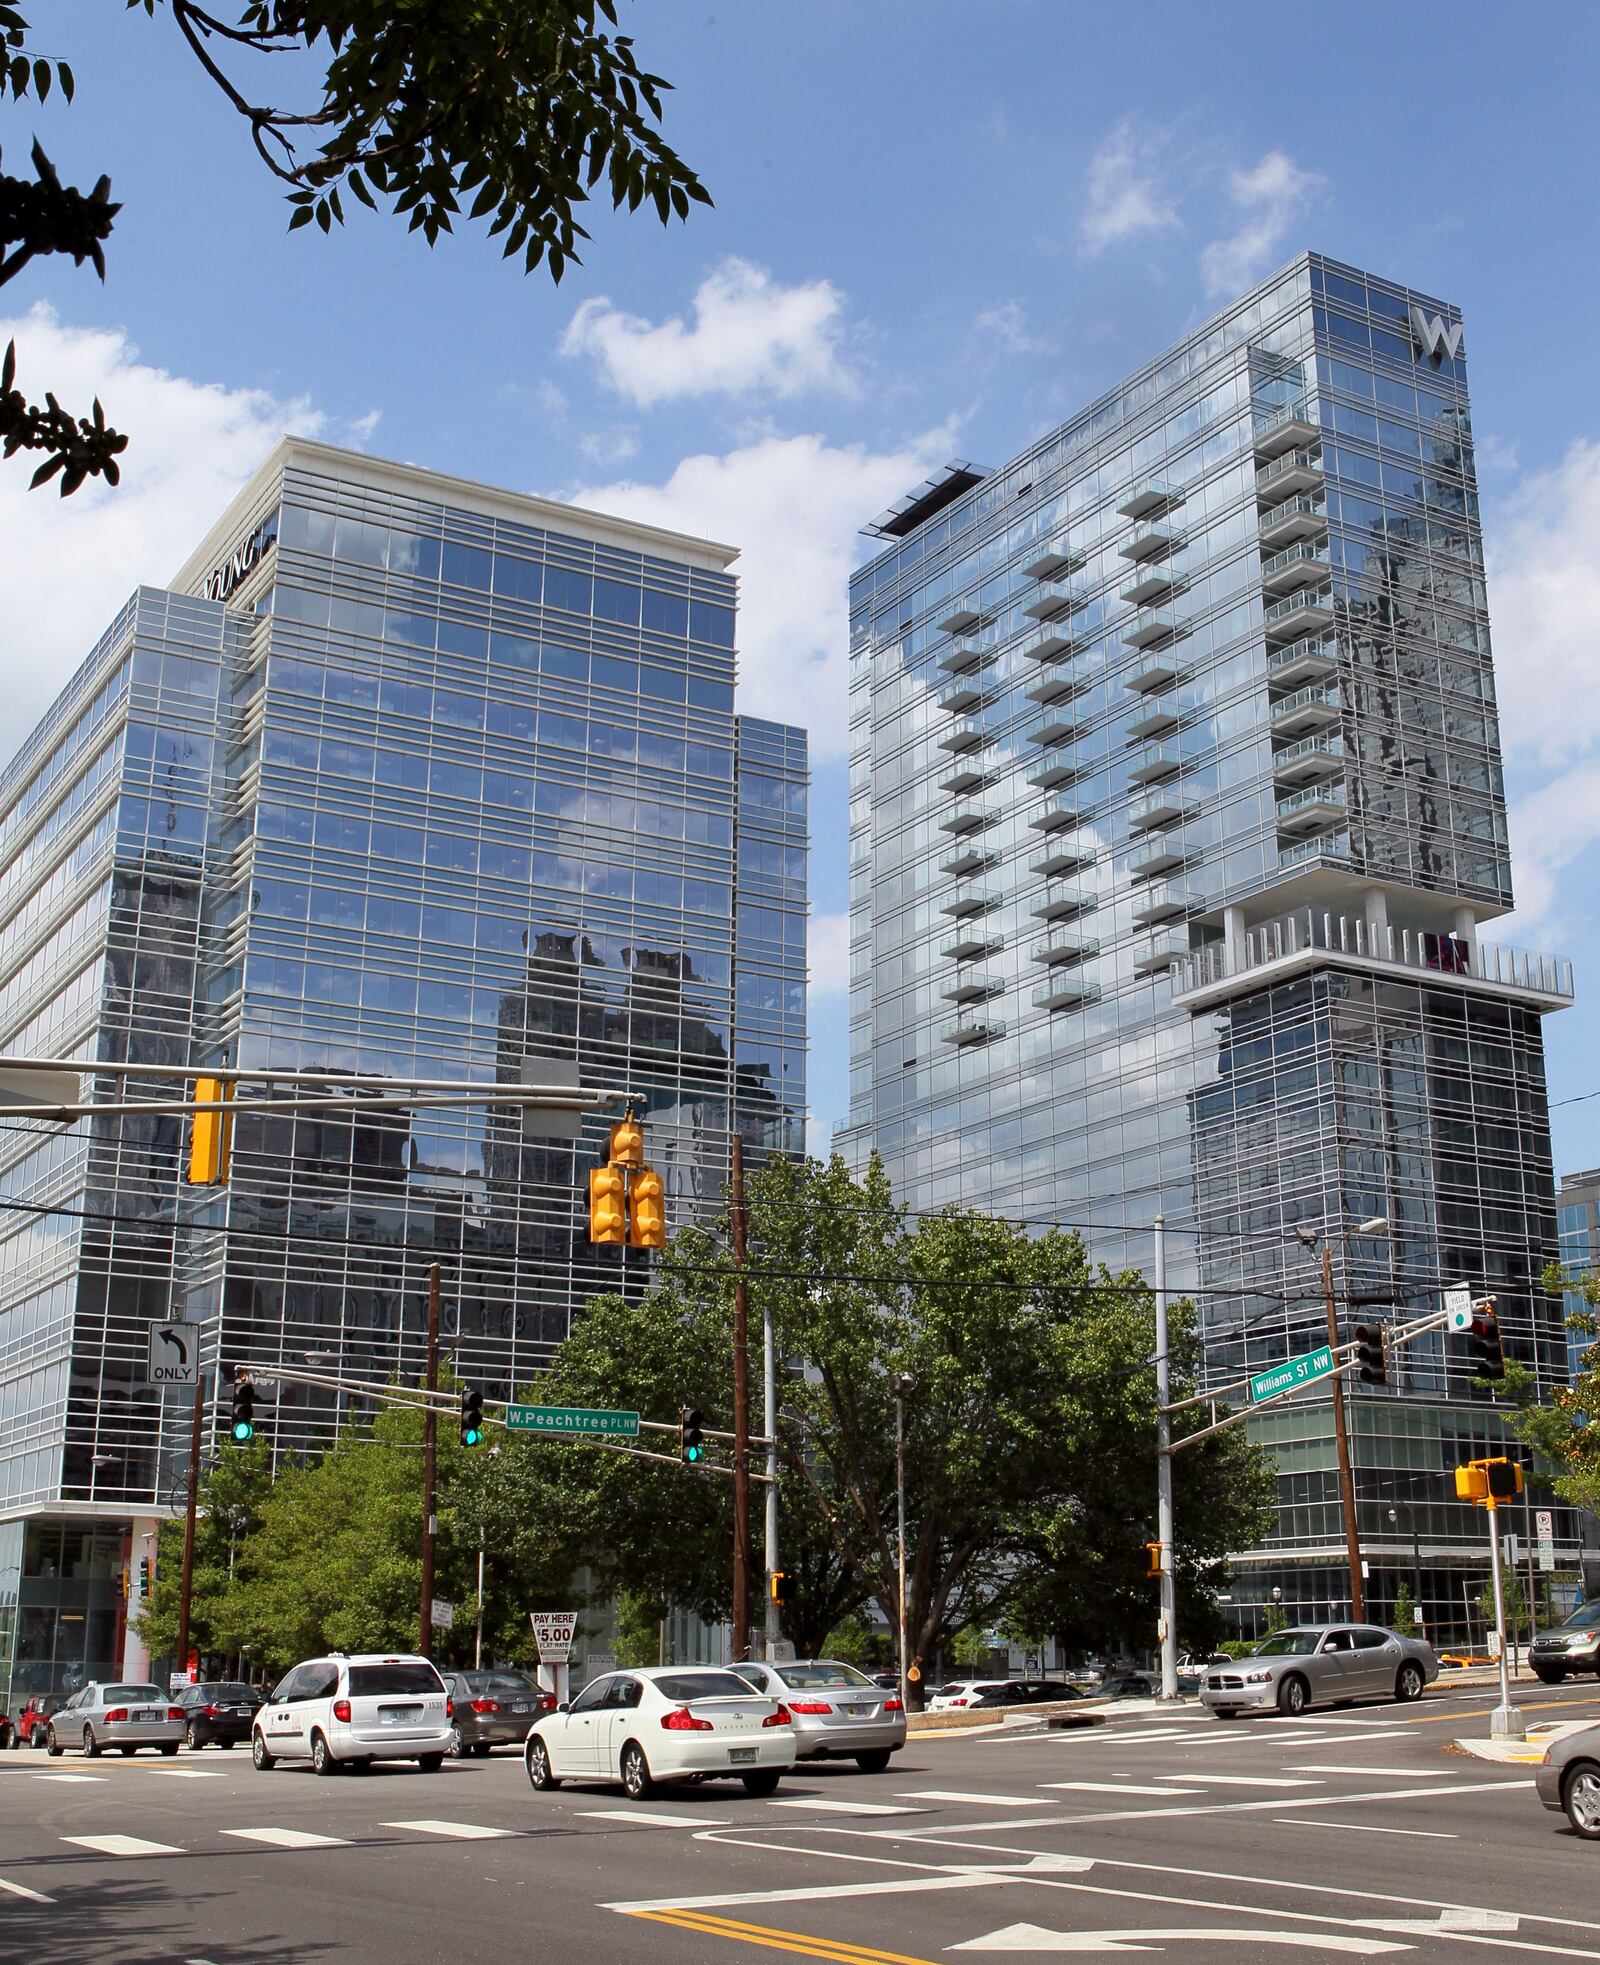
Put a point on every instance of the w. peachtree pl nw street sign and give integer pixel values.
(572, 1422)
(1304, 1370)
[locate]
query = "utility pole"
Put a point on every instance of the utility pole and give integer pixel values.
(1341, 1436)
(186, 1588)
(769, 1408)
(430, 1426)
(901, 1382)
(1168, 1627)
(741, 1414)
(477, 1647)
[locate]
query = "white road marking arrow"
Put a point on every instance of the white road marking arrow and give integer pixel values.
(1034, 1937)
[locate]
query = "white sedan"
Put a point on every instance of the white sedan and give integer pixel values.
(664, 1724)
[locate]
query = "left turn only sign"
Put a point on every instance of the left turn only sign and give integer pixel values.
(174, 1354)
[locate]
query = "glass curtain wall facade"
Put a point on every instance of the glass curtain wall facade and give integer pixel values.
(418, 779)
(1176, 808)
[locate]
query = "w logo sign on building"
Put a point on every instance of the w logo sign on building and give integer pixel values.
(1434, 335)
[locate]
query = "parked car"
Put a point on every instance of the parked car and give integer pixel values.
(1026, 1692)
(1571, 1646)
(493, 1709)
(1327, 1663)
(1568, 1779)
(839, 1713)
(1128, 1685)
(957, 1692)
(114, 1714)
(664, 1724)
(348, 1712)
(218, 1711)
(888, 1681)
(32, 1728)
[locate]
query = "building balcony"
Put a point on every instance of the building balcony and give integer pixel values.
(1296, 470)
(1313, 809)
(963, 657)
(1152, 625)
(1055, 597)
(1306, 660)
(1055, 768)
(1056, 817)
(1331, 849)
(1154, 762)
(1058, 686)
(1063, 903)
(1290, 427)
(969, 858)
(1061, 856)
(1151, 541)
(1050, 560)
(1156, 716)
(1308, 612)
(1150, 495)
(1162, 854)
(1156, 582)
(1051, 643)
(1057, 728)
(1158, 954)
(1307, 760)
(1295, 944)
(1160, 808)
(972, 986)
(966, 736)
(1162, 900)
(1065, 991)
(970, 818)
(966, 777)
(1156, 669)
(1060, 951)
(1300, 517)
(1312, 708)
(967, 694)
(959, 616)
(967, 903)
(1299, 565)
(971, 944)
(977, 1028)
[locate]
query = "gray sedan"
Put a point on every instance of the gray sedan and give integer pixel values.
(839, 1713)
(1331, 1664)
(113, 1714)
(1568, 1779)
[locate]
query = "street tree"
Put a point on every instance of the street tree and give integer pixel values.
(509, 111)
(232, 1495)
(1565, 1429)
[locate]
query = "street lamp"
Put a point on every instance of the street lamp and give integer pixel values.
(1416, 1556)
(901, 1383)
(1311, 1238)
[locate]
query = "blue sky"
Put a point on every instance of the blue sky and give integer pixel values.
(939, 229)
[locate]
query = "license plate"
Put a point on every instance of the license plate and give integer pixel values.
(742, 1756)
(148, 1713)
(521, 1709)
(857, 1712)
(398, 1715)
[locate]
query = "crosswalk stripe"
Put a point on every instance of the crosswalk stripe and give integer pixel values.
(973, 1800)
(462, 1831)
(1366, 1773)
(648, 1820)
(1125, 1787)
(192, 1773)
(22, 1890)
(122, 1845)
(289, 1838)
(845, 1807)
(69, 1777)
(1253, 1780)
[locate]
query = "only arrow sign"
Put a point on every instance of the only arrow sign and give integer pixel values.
(1034, 1937)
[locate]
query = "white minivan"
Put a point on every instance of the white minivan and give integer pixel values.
(348, 1712)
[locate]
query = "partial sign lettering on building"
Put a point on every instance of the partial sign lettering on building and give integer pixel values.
(1434, 335)
(222, 580)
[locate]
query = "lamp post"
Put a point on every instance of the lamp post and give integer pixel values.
(1312, 1238)
(1418, 1620)
(901, 1383)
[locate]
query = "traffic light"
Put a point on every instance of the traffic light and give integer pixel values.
(144, 1576)
(124, 1582)
(1372, 1354)
(471, 1416)
(782, 1587)
(608, 1218)
(244, 1408)
(1505, 1479)
(1472, 1483)
(1486, 1340)
(691, 1440)
(1154, 1550)
(1489, 1481)
(647, 1226)
(210, 1135)
(627, 1144)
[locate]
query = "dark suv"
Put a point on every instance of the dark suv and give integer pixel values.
(494, 1709)
(218, 1712)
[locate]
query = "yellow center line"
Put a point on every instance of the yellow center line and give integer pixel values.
(771, 1939)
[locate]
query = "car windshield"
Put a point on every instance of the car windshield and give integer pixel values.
(704, 1685)
(805, 1678)
(110, 1694)
(1288, 1644)
(365, 1680)
(1584, 1618)
(225, 1690)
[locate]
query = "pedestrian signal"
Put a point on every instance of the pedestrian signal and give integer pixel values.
(608, 1218)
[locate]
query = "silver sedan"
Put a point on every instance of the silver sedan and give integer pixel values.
(1568, 1779)
(114, 1714)
(1330, 1664)
(839, 1713)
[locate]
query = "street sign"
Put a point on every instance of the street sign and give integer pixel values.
(572, 1422)
(1458, 1303)
(444, 1616)
(553, 1631)
(1304, 1370)
(174, 1355)
(599, 1662)
(1544, 1525)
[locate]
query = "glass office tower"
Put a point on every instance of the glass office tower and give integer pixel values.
(405, 776)
(1176, 810)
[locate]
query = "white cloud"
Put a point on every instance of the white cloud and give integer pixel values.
(1270, 198)
(191, 445)
(1125, 198)
(793, 505)
(750, 336)
(1006, 326)
(828, 954)
(607, 448)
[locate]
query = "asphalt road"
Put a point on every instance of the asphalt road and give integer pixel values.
(1359, 1832)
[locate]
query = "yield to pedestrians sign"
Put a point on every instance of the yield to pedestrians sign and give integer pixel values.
(174, 1357)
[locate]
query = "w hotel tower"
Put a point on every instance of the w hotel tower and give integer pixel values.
(1177, 827)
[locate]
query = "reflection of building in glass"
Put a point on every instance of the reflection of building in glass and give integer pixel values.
(450, 784)
(1176, 810)
(1578, 1219)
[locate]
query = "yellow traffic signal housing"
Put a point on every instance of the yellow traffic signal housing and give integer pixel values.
(211, 1135)
(1472, 1483)
(627, 1144)
(608, 1205)
(647, 1221)
(1504, 1478)
(1154, 1549)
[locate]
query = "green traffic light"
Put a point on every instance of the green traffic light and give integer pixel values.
(471, 1436)
(242, 1431)
(693, 1453)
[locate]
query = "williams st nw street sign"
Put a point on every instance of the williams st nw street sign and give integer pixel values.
(1292, 1374)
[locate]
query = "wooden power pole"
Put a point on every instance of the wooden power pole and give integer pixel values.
(430, 1440)
(741, 1415)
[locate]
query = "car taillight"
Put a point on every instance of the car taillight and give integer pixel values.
(174, 1712)
(116, 1714)
(213, 1712)
(681, 1720)
(341, 1711)
(783, 1716)
(449, 1707)
(958, 1702)
(486, 1705)
(809, 1706)
(894, 1705)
